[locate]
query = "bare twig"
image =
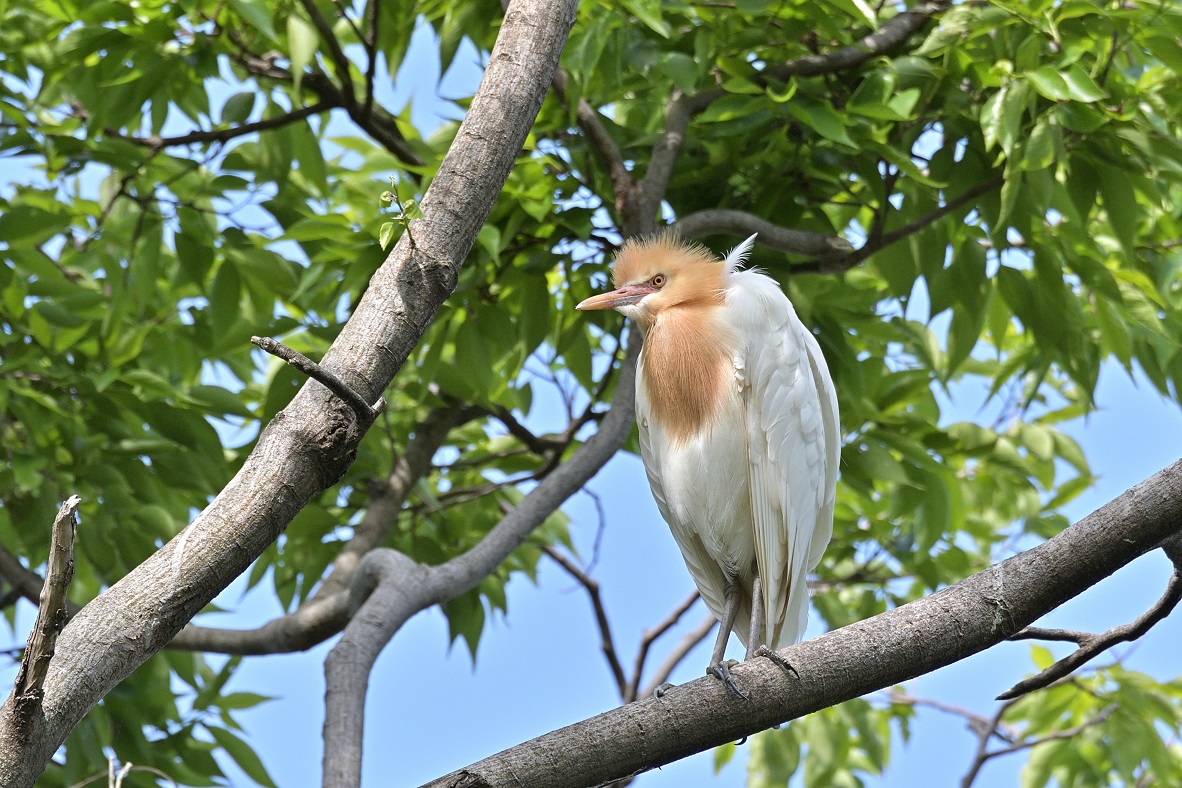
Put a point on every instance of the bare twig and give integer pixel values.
(650, 636)
(1091, 645)
(591, 585)
(51, 611)
(334, 47)
(366, 413)
(224, 135)
(719, 221)
(677, 654)
(983, 755)
(838, 263)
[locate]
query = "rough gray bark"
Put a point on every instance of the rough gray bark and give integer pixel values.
(311, 442)
(890, 648)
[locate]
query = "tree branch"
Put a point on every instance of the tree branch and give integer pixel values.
(607, 642)
(840, 263)
(720, 221)
(983, 755)
(309, 445)
(26, 695)
(334, 47)
(600, 140)
(401, 588)
(1090, 645)
(890, 648)
(365, 412)
(889, 35)
(650, 636)
(225, 135)
(677, 654)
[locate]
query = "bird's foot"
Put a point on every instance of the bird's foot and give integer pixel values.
(764, 651)
(661, 689)
(722, 672)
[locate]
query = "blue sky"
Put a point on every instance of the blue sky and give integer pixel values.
(430, 710)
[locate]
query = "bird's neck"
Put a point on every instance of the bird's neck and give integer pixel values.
(688, 368)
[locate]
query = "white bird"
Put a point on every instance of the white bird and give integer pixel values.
(738, 432)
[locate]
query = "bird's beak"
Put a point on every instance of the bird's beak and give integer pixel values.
(625, 296)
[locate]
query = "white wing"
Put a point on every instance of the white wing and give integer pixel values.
(793, 447)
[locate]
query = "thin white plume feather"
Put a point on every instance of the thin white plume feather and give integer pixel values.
(737, 256)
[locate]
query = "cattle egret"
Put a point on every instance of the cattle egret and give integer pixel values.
(738, 432)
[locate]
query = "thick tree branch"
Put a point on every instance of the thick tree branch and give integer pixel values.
(890, 648)
(309, 444)
(51, 616)
(720, 221)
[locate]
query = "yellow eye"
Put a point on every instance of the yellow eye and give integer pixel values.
(658, 280)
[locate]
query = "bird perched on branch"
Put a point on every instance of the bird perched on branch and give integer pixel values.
(738, 432)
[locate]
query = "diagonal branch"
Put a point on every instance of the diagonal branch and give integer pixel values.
(840, 263)
(687, 644)
(601, 142)
(720, 221)
(607, 642)
(309, 445)
(342, 63)
(911, 640)
(1090, 645)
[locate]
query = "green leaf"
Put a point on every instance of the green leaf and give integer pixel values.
(1050, 83)
(1080, 85)
(302, 43)
(238, 107)
(1120, 204)
(26, 224)
(242, 754)
(258, 14)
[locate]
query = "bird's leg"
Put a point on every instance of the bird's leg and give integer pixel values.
(755, 634)
(718, 668)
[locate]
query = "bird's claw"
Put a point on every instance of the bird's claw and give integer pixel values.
(660, 690)
(764, 651)
(722, 672)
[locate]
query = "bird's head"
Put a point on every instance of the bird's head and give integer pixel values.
(663, 272)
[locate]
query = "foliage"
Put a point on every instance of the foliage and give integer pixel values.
(1011, 176)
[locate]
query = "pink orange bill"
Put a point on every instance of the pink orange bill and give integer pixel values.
(625, 296)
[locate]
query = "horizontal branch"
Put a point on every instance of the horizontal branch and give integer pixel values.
(720, 221)
(889, 35)
(157, 142)
(890, 648)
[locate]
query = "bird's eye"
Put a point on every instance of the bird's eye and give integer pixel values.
(658, 280)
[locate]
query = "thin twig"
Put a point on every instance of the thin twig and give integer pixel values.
(334, 47)
(674, 657)
(605, 631)
(366, 413)
(650, 636)
(983, 756)
(1092, 645)
(224, 135)
(51, 611)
